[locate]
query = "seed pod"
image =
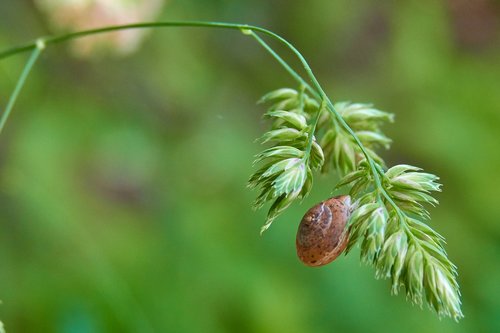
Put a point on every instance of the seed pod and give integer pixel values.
(322, 235)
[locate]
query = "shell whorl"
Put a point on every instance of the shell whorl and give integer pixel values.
(322, 235)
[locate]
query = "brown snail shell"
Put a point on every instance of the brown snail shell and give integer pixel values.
(322, 235)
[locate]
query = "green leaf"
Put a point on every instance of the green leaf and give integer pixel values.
(399, 169)
(306, 189)
(296, 120)
(373, 138)
(394, 247)
(317, 156)
(364, 112)
(280, 152)
(291, 179)
(351, 177)
(374, 237)
(281, 166)
(420, 181)
(282, 135)
(310, 104)
(441, 291)
(359, 186)
(344, 154)
(412, 196)
(279, 94)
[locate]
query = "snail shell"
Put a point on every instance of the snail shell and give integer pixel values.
(322, 235)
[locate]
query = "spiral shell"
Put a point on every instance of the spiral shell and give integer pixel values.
(322, 235)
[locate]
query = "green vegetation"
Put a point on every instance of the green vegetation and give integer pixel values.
(123, 194)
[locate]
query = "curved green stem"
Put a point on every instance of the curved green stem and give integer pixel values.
(313, 130)
(285, 65)
(75, 35)
(313, 124)
(316, 88)
(324, 97)
(39, 46)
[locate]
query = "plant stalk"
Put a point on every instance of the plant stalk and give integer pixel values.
(318, 91)
(39, 46)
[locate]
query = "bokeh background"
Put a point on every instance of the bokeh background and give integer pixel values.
(123, 205)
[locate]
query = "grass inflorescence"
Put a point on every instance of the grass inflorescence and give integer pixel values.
(310, 133)
(389, 214)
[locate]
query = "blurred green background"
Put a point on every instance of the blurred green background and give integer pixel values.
(123, 205)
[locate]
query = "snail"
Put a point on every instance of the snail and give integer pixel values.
(322, 235)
